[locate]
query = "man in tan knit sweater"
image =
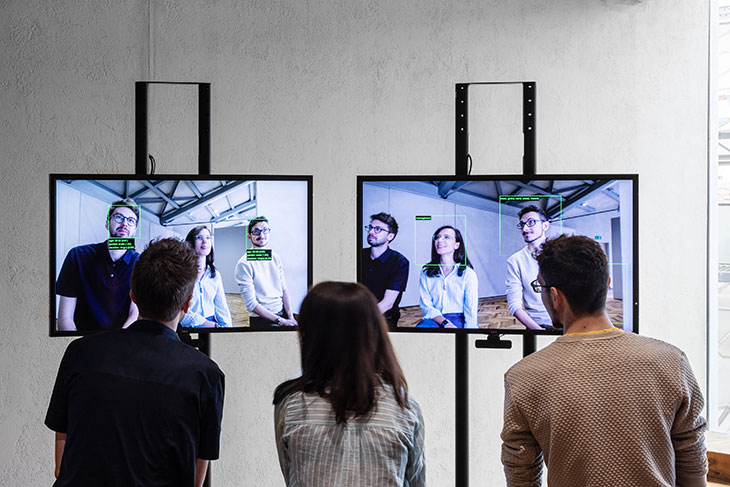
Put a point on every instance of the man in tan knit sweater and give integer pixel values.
(605, 408)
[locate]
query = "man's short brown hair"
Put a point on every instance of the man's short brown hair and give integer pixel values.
(579, 268)
(163, 278)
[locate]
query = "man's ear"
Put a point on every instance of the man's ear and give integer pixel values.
(557, 299)
(390, 236)
(186, 304)
(131, 295)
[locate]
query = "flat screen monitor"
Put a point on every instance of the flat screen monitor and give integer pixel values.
(253, 234)
(477, 220)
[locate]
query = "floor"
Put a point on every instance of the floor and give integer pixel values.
(493, 313)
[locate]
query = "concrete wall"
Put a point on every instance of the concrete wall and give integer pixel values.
(337, 89)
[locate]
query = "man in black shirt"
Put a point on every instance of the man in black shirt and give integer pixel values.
(137, 407)
(384, 271)
(93, 283)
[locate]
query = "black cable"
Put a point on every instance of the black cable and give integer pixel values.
(153, 164)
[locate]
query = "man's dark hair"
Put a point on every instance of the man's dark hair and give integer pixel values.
(253, 221)
(536, 209)
(126, 202)
(346, 352)
(388, 220)
(163, 278)
(579, 268)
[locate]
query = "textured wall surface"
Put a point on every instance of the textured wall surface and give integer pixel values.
(337, 89)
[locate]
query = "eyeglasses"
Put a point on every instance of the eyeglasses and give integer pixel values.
(119, 218)
(375, 230)
(201, 238)
(259, 231)
(530, 223)
(537, 287)
(445, 236)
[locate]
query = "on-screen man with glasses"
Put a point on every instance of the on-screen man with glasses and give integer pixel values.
(260, 277)
(384, 270)
(93, 284)
(524, 303)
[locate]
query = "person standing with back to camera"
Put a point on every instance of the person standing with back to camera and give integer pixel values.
(601, 406)
(348, 420)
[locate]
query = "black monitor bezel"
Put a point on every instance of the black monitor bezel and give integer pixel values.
(505, 177)
(54, 177)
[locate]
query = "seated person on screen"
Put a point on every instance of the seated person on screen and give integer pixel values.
(448, 284)
(384, 271)
(348, 420)
(208, 308)
(524, 303)
(262, 282)
(136, 406)
(94, 279)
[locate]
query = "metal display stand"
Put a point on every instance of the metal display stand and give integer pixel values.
(202, 342)
(461, 352)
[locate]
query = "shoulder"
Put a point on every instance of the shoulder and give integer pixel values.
(86, 250)
(397, 256)
(534, 364)
(519, 255)
(652, 348)
(469, 274)
(284, 390)
(243, 261)
(197, 360)
(90, 346)
(387, 404)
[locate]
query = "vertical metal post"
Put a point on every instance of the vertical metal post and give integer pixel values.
(202, 343)
(529, 166)
(141, 90)
(461, 410)
(204, 128)
(461, 352)
(461, 340)
(462, 128)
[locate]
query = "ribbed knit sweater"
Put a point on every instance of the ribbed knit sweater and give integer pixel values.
(606, 409)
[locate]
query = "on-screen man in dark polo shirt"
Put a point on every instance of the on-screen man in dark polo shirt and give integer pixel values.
(136, 406)
(94, 280)
(384, 271)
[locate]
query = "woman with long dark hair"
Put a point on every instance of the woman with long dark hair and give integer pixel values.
(208, 308)
(448, 285)
(348, 420)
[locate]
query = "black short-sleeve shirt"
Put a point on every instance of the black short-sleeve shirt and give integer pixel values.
(100, 286)
(389, 271)
(139, 407)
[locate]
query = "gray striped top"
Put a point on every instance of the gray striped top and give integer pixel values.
(383, 449)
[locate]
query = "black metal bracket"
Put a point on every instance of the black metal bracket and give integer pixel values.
(141, 153)
(529, 100)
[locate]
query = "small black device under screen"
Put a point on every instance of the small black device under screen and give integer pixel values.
(481, 214)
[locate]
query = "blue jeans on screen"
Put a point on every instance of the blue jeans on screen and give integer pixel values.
(456, 319)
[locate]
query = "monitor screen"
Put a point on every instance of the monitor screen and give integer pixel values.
(251, 233)
(489, 228)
